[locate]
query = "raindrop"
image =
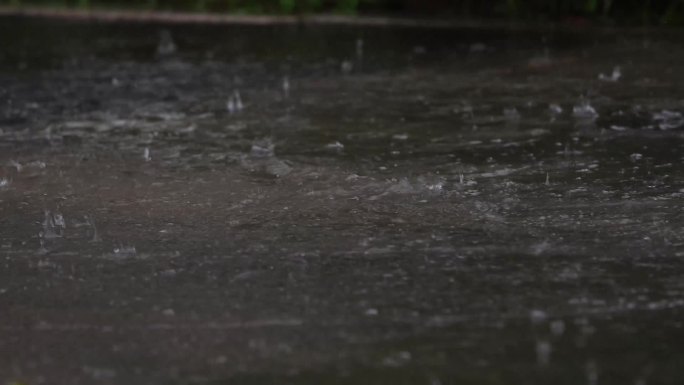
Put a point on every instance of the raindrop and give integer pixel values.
(146, 154)
(359, 49)
(4, 182)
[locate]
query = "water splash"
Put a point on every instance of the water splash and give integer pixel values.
(668, 120)
(359, 49)
(346, 67)
(543, 349)
(166, 45)
(234, 103)
(557, 327)
(335, 146)
(262, 148)
(592, 373)
(262, 160)
(397, 359)
(17, 166)
(613, 77)
(124, 252)
(584, 111)
(555, 109)
(511, 114)
(286, 87)
(53, 225)
(538, 316)
(477, 48)
(90, 222)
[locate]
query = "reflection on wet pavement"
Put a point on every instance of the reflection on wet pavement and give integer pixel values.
(296, 205)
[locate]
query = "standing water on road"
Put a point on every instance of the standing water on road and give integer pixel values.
(328, 205)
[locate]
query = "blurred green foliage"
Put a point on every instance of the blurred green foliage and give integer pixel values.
(624, 11)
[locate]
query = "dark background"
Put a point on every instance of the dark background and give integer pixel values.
(670, 12)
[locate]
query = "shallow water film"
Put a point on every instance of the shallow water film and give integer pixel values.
(329, 205)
